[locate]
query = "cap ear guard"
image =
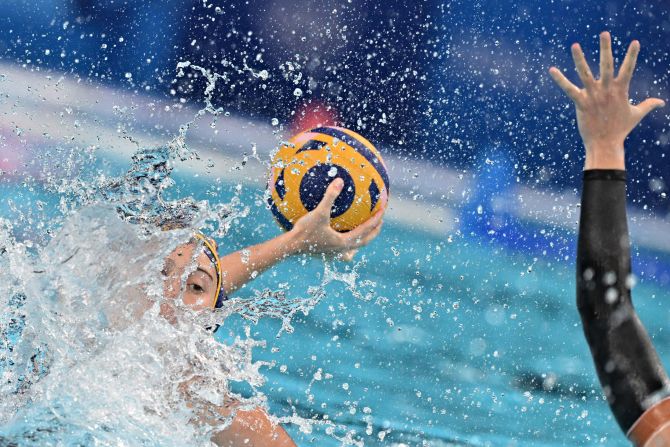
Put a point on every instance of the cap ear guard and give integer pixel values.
(213, 255)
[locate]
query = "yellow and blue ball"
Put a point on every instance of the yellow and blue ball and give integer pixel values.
(303, 168)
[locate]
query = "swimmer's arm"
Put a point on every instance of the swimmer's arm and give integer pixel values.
(253, 429)
(311, 234)
(627, 365)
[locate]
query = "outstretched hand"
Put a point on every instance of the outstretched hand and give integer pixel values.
(605, 116)
(313, 234)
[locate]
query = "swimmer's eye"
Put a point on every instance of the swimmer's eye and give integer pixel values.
(196, 287)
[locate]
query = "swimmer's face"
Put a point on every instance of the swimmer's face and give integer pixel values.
(199, 288)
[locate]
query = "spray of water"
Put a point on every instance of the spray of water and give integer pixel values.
(87, 355)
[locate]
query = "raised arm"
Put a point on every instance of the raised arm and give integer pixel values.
(311, 234)
(628, 367)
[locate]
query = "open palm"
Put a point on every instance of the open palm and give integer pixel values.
(605, 116)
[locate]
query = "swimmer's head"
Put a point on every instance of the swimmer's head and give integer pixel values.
(202, 288)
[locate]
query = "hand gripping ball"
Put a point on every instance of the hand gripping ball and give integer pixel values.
(303, 168)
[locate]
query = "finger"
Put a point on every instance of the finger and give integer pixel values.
(582, 66)
(365, 228)
(370, 237)
(331, 194)
(606, 59)
(648, 105)
(628, 65)
(365, 239)
(349, 256)
(568, 87)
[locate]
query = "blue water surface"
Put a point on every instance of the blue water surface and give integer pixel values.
(471, 341)
(468, 342)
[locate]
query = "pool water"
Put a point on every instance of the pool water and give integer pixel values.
(424, 340)
(453, 342)
(457, 343)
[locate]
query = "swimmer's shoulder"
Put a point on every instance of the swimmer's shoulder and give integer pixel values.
(253, 428)
(652, 429)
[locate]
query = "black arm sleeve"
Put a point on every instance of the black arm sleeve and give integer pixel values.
(628, 367)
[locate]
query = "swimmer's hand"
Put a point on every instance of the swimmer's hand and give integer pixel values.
(605, 116)
(313, 234)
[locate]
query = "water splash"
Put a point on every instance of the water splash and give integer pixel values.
(86, 354)
(97, 358)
